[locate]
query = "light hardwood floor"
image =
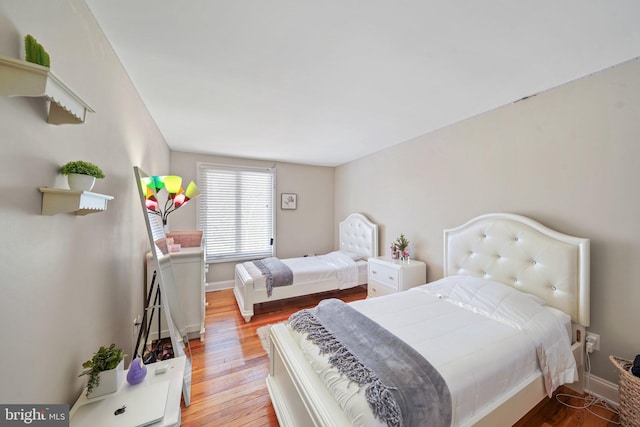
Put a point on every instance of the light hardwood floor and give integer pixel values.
(230, 368)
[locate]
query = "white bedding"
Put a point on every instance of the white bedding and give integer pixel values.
(482, 339)
(339, 265)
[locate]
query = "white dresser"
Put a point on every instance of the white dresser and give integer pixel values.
(189, 269)
(387, 275)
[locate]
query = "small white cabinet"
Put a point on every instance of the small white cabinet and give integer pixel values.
(387, 275)
(155, 400)
(189, 270)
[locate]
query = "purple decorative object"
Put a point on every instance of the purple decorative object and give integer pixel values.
(137, 372)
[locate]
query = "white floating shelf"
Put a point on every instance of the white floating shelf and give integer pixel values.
(22, 78)
(56, 200)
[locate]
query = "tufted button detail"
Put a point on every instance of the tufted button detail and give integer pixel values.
(534, 262)
(554, 288)
(517, 239)
(485, 275)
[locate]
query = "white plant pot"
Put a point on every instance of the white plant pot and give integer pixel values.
(109, 381)
(80, 182)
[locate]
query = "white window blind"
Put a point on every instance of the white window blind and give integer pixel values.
(236, 211)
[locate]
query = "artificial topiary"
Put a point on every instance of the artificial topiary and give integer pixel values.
(82, 167)
(402, 243)
(34, 52)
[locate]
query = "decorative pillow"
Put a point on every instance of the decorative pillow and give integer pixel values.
(491, 299)
(353, 255)
(465, 287)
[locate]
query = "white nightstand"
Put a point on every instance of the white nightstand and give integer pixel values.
(387, 275)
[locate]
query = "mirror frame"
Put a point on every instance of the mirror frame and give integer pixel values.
(170, 299)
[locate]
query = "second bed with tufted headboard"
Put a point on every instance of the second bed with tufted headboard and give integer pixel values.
(504, 273)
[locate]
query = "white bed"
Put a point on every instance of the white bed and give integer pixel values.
(509, 249)
(358, 239)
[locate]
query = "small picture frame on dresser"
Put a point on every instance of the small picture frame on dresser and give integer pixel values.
(289, 201)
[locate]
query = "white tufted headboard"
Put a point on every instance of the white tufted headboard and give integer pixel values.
(358, 234)
(525, 254)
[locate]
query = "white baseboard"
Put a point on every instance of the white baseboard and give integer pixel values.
(217, 286)
(603, 389)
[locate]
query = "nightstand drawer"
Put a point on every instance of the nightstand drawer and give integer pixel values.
(387, 275)
(384, 274)
(376, 289)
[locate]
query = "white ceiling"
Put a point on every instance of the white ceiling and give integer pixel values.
(326, 82)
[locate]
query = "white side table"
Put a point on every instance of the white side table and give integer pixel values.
(172, 415)
(387, 275)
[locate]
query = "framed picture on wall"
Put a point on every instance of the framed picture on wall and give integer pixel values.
(289, 201)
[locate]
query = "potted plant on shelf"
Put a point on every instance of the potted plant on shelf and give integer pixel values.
(105, 370)
(81, 175)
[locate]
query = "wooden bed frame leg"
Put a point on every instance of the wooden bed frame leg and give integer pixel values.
(578, 347)
(243, 297)
(247, 314)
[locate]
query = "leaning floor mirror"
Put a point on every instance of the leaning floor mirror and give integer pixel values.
(169, 296)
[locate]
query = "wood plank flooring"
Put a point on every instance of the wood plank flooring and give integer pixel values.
(230, 368)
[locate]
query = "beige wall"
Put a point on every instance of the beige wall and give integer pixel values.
(69, 283)
(567, 158)
(304, 231)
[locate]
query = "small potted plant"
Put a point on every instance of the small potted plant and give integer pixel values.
(401, 245)
(105, 370)
(81, 175)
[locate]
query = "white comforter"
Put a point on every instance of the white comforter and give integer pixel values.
(312, 269)
(486, 340)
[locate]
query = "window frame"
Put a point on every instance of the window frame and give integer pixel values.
(237, 257)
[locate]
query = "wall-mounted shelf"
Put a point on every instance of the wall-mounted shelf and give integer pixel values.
(22, 78)
(56, 200)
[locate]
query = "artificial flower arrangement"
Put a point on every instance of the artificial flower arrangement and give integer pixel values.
(399, 247)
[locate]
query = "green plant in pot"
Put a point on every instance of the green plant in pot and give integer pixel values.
(104, 360)
(401, 244)
(81, 175)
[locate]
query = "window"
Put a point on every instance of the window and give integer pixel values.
(236, 211)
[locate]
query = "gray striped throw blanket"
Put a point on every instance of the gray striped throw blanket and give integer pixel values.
(402, 387)
(275, 272)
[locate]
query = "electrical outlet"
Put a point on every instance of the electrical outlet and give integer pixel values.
(593, 342)
(138, 320)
